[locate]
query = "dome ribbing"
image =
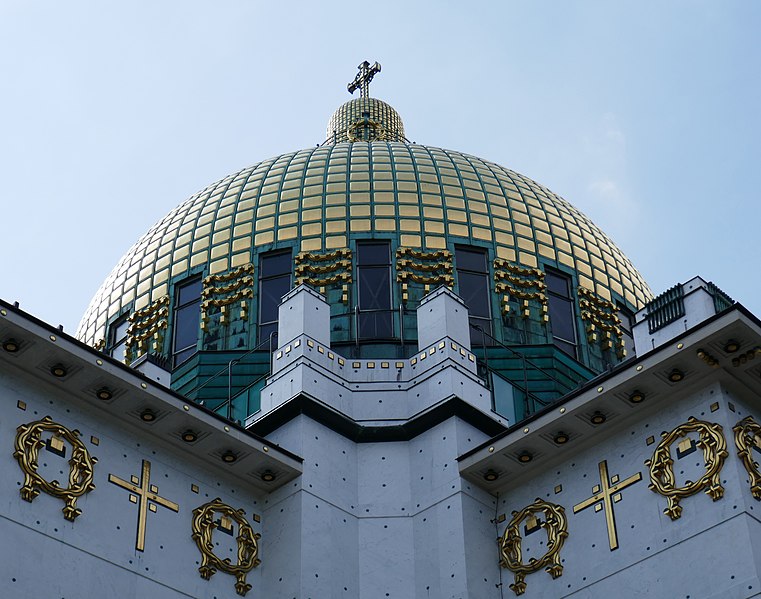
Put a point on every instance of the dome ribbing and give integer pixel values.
(330, 197)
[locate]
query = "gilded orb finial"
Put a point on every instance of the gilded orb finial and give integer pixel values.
(363, 79)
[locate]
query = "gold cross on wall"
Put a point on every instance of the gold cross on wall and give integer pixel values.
(142, 492)
(605, 495)
(363, 79)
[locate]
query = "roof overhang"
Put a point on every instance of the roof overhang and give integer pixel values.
(611, 398)
(40, 347)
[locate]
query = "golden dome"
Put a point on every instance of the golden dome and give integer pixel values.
(327, 197)
(365, 119)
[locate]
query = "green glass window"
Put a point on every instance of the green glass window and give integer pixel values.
(375, 318)
(473, 287)
(274, 282)
(561, 312)
(117, 342)
(187, 314)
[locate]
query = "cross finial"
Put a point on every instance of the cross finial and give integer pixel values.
(363, 79)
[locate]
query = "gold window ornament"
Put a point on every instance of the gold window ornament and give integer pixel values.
(427, 268)
(556, 526)
(322, 269)
(146, 324)
(29, 441)
(601, 314)
(662, 478)
(747, 438)
(224, 289)
(204, 523)
(522, 284)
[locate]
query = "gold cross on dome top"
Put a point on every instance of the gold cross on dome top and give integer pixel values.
(142, 492)
(363, 79)
(608, 492)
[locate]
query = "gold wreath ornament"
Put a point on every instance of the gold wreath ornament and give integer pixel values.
(748, 437)
(204, 524)
(662, 479)
(29, 441)
(510, 543)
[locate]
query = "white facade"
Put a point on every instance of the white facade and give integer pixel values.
(386, 478)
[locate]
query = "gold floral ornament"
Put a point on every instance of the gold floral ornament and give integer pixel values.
(600, 314)
(426, 268)
(29, 441)
(147, 324)
(519, 283)
(748, 438)
(204, 524)
(224, 289)
(510, 543)
(323, 269)
(662, 479)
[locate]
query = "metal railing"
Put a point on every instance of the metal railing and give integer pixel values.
(525, 360)
(563, 384)
(397, 317)
(229, 402)
(397, 334)
(229, 370)
(665, 309)
(527, 394)
(721, 301)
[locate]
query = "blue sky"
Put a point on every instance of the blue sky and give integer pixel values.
(645, 115)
